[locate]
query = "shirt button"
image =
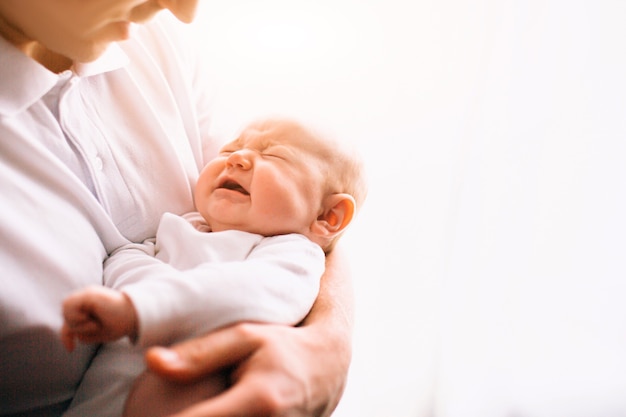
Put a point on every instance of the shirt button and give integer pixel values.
(97, 163)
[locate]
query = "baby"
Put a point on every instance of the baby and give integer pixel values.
(269, 207)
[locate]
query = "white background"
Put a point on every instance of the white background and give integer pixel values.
(489, 259)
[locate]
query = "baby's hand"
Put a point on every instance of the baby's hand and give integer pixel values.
(97, 315)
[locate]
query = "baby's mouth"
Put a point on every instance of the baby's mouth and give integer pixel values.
(233, 186)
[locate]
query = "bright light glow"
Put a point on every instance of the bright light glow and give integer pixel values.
(489, 259)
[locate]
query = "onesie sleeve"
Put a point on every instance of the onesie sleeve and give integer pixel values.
(277, 282)
(129, 263)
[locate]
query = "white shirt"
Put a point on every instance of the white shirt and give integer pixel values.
(89, 160)
(198, 281)
(191, 282)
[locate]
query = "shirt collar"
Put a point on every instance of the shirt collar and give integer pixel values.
(23, 81)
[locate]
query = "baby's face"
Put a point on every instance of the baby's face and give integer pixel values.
(267, 181)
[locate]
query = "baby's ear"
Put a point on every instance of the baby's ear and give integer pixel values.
(338, 213)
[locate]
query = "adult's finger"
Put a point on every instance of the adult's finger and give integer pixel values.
(192, 359)
(250, 397)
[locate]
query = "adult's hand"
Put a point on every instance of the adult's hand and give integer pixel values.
(276, 370)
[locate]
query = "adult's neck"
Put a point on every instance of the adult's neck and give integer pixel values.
(55, 62)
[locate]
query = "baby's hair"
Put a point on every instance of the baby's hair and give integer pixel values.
(346, 174)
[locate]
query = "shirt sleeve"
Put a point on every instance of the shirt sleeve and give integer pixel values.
(277, 282)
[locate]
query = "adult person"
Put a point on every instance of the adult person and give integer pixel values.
(87, 112)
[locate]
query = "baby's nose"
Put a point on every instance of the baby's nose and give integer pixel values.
(239, 159)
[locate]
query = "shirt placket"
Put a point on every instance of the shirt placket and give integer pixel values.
(82, 134)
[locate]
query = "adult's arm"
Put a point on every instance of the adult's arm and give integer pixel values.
(277, 370)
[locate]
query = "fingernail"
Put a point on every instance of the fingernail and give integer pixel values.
(169, 356)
